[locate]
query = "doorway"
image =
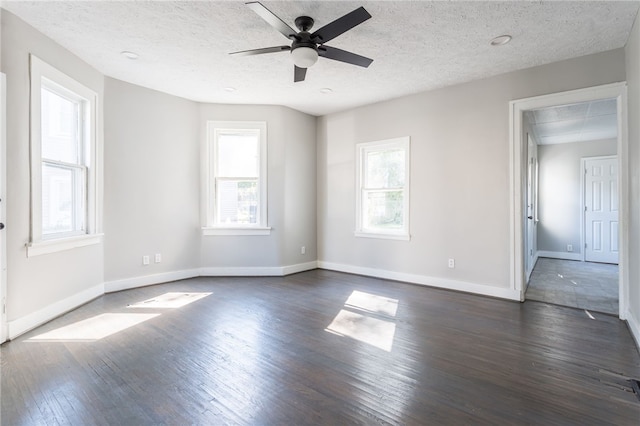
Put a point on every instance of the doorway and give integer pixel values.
(572, 172)
(566, 248)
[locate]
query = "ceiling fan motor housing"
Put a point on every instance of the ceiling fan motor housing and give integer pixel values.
(306, 47)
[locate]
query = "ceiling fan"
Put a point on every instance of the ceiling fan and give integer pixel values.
(306, 46)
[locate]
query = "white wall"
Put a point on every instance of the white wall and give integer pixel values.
(460, 175)
(291, 192)
(151, 183)
(560, 187)
(38, 282)
(152, 157)
(632, 51)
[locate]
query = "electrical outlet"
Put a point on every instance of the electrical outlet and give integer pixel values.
(452, 263)
(569, 247)
(145, 260)
(303, 250)
(158, 258)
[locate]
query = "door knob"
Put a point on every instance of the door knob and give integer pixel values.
(1, 226)
(528, 217)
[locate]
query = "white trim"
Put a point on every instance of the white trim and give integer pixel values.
(41, 316)
(145, 280)
(3, 206)
(209, 173)
(361, 149)
(39, 71)
(403, 237)
(299, 267)
(52, 246)
(559, 255)
(634, 327)
(256, 271)
(516, 219)
(213, 230)
(467, 287)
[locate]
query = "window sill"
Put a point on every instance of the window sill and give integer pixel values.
(61, 244)
(236, 231)
(383, 236)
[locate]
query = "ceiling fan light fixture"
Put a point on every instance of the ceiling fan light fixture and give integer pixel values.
(304, 57)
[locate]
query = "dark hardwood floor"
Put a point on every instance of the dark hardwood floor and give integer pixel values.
(319, 347)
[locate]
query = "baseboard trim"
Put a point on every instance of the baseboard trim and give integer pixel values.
(467, 287)
(46, 314)
(33, 320)
(299, 267)
(257, 271)
(634, 327)
(145, 280)
(560, 255)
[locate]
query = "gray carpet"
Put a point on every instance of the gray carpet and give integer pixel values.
(584, 285)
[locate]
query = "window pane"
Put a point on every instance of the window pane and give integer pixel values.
(237, 202)
(383, 210)
(385, 169)
(58, 199)
(238, 154)
(60, 118)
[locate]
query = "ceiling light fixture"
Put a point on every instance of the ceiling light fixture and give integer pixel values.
(304, 57)
(229, 89)
(500, 40)
(326, 90)
(129, 55)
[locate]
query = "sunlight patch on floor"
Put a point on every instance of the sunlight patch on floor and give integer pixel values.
(372, 303)
(373, 331)
(368, 318)
(169, 300)
(93, 329)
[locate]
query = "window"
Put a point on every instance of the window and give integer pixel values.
(383, 189)
(236, 186)
(63, 161)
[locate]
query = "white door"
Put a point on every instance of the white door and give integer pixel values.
(530, 237)
(3, 209)
(601, 209)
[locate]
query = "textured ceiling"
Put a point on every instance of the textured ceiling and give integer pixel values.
(416, 46)
(581, 122)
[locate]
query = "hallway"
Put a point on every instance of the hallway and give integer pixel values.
(583, 285)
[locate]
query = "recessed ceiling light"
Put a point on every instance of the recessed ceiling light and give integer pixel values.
(229, 89)
(129, 55)
(326, 90)
(500, 40)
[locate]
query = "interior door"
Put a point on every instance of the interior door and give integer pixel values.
(3, 209)
(530, 237)
(601, 209)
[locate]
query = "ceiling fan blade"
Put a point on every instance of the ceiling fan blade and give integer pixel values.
(274, 49)
(343, 56)
(341, 25)
(299, 74)
(272, 19)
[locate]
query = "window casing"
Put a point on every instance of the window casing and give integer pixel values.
(236, 181)
(382, 199)
(63, 161)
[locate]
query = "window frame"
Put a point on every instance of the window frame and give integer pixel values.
(43, 75)
(362, 149)
(211, 225)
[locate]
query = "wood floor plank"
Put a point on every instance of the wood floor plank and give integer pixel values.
(259, 351)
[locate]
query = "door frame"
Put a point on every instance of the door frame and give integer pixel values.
(583, 200)
(3, 207)
(517, 163)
